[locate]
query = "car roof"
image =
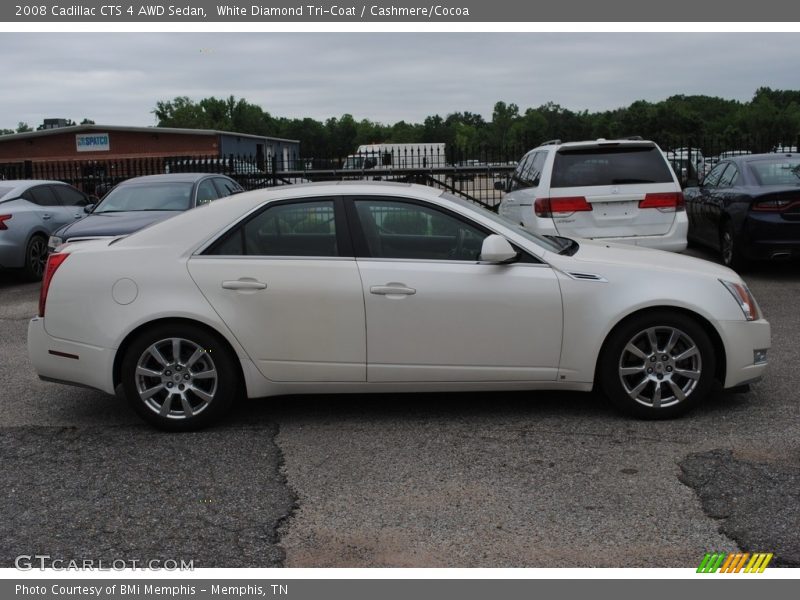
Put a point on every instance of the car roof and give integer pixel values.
(20, 185)
(169, 177)
(766, 156)
(601, 142)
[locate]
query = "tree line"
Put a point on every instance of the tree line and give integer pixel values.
(772, 115)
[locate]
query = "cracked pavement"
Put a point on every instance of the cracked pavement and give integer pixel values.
(447, 480)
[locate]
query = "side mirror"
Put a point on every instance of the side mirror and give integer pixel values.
(89, 208)
(500, 185)
(496, 249)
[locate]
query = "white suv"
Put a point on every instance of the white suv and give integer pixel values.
(616, 190)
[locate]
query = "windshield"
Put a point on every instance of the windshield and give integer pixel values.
(778, 171)
(147, 196)
(543, 242)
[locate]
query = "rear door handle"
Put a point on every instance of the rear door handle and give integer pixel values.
(244, 284)
(392, 289)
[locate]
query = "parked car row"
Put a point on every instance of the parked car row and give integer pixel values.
(747, 206)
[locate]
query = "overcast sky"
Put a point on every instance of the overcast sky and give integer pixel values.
(116, 79)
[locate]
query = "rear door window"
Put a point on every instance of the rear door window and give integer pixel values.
(304, 228)
(226, 187)
(41, 195)
(712, 179)
(70, 196)
(206, 192)
(609, 166)
(729, 177)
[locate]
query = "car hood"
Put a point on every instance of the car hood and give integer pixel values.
(112, 224)
(594, 254)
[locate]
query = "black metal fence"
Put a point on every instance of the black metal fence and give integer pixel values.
(476, 174)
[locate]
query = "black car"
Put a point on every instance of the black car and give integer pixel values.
(141, 201)
(748, 208)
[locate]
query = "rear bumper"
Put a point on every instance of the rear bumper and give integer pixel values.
(741, 340)
(770, 236)
(69, 362)
(673, 241)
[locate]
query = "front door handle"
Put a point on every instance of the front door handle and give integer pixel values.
(46, 216)
(244, 284)
(392, 289)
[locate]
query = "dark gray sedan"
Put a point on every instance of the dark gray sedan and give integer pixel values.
(142, 201)
(748, 208)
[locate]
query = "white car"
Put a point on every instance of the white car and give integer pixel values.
(615, 190)
(383, 287)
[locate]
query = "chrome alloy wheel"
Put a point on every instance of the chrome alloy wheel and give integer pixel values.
(175, 378)
(660, 366)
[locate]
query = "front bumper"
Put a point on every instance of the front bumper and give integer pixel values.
(741, 340)
(69, 362)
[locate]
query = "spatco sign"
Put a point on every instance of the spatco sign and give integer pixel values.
(92, 142)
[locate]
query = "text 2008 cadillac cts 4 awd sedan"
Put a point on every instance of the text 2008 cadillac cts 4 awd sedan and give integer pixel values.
(353, 287)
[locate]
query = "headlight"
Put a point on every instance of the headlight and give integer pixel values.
(743, 298)
(54, 242)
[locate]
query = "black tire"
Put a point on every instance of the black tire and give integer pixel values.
(623, 371)
(202, 381)
(35, 258)
(729, 249)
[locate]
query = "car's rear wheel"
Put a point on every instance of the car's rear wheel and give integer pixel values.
(658, 365)
(179, 377)
(35, 258)
(729, 247)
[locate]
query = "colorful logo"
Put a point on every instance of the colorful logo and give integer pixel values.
(722, 562)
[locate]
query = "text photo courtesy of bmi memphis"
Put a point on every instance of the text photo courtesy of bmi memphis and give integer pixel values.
(409, 303)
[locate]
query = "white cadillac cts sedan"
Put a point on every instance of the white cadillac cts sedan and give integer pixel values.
(354, 287)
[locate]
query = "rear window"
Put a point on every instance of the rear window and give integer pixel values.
(609, 166)
(781, 171)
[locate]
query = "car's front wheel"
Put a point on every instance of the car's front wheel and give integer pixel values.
(179, 377)
(658, 365)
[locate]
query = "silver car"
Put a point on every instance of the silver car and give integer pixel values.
(30, 210)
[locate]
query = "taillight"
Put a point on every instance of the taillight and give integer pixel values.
(53, 262)
(664, 201)
(3, 219)
(545, 207)
(767, 205)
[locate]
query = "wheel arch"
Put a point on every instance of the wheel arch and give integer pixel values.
(713, 335)
(134, 333)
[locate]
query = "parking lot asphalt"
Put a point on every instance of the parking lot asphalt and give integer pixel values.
(448, 480)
